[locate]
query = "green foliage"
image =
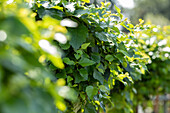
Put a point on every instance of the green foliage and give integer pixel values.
(98, 54)
(91, 91)
(25, 83)
(90, 109)
(154, 42)
(70, 58)
(78, 35)
(86, 62)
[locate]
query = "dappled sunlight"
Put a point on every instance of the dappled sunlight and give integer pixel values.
(3, 35)
(162, 42)
(9, 1)
(68, 23)
(46, 46)
(60, 38)
(71, 7)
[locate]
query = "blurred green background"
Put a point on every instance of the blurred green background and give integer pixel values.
(20, 55)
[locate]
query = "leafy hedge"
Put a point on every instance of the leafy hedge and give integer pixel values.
(154, 41)
(96, 58)
(26, 86)
(68, 54)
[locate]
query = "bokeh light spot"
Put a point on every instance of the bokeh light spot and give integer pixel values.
(68, 23)
(46, 46)
(60, 105)
(3, 35)
(60, 38)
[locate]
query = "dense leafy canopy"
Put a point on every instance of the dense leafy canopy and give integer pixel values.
(70, 57)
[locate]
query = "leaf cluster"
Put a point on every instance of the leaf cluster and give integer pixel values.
(98, 56)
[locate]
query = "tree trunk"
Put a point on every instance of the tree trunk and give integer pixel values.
(156, 104)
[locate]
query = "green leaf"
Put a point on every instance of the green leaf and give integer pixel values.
(103, 88)
(95, 57)
(78, 77)
(91, 91)
(77, 56)
(120, 56)
(83, 95)
(116, 29)
(117, 9)
(85, 45)
(69, 70)
(87, 1)
(125, 53)
(107, 74)
(122, 46)
(144, 66)
(110, 58)
(102, 105)
(64, 46)
(131, 53)
(100, 68)
(89, 108)
(97, 75)
(124, 64)
(57, 14)
(120, 15)
(85, 55)
(14, 23)
(79, 52)
(68, 61)
(81, 12)
(61, 74)
(69, 79)
(83, 72)
(56, 61)
(86, 62)
(78, 35)
(101, 36)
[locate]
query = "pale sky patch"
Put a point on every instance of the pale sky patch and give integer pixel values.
(127, 3)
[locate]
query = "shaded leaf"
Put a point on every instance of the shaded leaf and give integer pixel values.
(68, 61)
(61, 74)
(107, 74)
(101, 36)
(83, 72)
(100, 68)
(51, 12)
(110, 58)
(81, 12)
(95, 57)
(86, 62)
(78, 77)
(97, 75)
(78, 35)
(89, 108)
(64, 46)
(91, 91)
(103, 88)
